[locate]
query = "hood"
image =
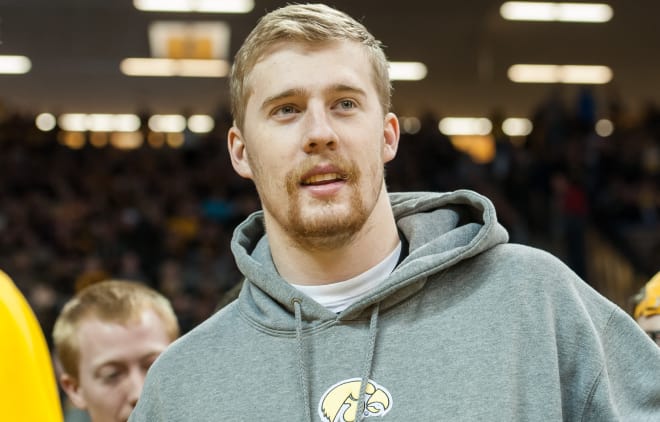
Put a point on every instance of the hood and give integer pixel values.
(441, 229)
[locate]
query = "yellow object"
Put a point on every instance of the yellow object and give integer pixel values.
(650, 303)
(28, 390)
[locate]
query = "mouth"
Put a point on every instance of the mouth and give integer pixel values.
(324, 178)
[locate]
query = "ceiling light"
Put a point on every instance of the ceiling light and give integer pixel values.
(98, 139)
(73, 140)
(465, 126)
(174, 67)
(576, 74)
(562, 12)
(113, 122)
(407, 71)
(80, 122)
(45, 122)
(202, 6)
(200, 123)
(189, 40)
(175, 140)
(127, 140)
(514, 126)
(169, 123)
(14, 65)
(545, 73)
(566, 74)
(73, 122)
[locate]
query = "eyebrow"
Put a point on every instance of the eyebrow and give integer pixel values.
(293, 92)
(301, 92)
(347, 89)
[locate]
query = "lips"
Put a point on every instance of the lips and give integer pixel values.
(323, 174)
(323, 178)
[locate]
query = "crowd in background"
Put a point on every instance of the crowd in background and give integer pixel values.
(164, 216)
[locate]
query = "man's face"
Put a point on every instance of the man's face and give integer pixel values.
(315, 141)
(113, 362)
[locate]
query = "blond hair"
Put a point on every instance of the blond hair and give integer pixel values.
(303, 23)
(115, 301)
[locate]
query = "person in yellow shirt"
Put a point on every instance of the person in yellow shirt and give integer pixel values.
(647, 309)
(28, 390)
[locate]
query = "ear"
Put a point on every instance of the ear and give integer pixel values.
(238, 152)
(72, 389)
(391, 133)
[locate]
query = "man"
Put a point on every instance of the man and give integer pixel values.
(106, 338)
(28, 391)
(647, 308)
(356, 304)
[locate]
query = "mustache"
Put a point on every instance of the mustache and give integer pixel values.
(347, 169)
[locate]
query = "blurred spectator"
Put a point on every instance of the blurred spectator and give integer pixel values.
(106, 338)
(647, 308)
(571, 210)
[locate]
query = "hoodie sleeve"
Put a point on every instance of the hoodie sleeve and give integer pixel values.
(627, 387)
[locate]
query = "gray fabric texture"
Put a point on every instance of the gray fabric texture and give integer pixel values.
(469, 327)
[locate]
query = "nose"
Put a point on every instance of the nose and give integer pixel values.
(319, 131)
(135, 382)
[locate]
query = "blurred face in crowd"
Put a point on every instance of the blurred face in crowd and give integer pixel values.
(315, 140)
(651, 324)
(114, 359)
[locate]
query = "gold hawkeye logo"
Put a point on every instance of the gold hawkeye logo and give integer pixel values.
(339, 403)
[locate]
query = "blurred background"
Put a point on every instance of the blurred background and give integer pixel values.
(113, 122)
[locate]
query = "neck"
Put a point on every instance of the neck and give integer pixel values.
(370, 245)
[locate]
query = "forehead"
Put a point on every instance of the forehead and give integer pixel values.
(292, 64)
(103, 341)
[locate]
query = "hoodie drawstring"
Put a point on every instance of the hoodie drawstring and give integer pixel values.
(368, 361)
(302, 368)
(366, 370)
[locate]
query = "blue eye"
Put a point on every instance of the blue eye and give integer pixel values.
(347, 104)
(287, 109)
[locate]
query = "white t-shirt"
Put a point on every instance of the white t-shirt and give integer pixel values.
(338, 296)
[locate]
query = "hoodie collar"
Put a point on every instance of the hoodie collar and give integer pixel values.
(441, 229)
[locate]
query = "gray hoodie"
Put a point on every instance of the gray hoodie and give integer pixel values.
(466, 328)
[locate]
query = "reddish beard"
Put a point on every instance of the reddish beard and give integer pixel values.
(325, 229)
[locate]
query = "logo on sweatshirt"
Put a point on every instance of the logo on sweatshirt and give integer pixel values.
(339, 403)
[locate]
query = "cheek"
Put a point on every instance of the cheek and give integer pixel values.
(374, 156)
(269, 166)
(100, 400)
